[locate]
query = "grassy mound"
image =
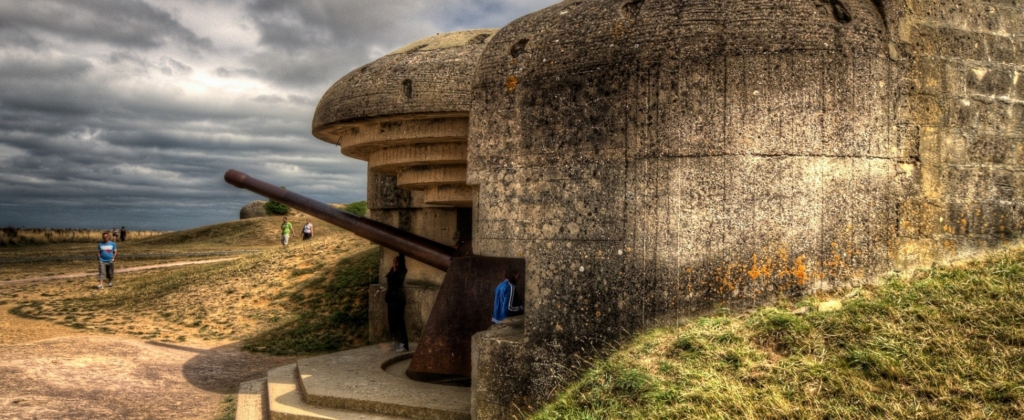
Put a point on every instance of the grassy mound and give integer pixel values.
(247, 233)
(330, 310)
(944, 343)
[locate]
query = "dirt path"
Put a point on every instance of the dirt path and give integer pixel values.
(49, 371)
(123, 270)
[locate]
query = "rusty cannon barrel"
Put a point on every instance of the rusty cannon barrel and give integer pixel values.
(416, 247)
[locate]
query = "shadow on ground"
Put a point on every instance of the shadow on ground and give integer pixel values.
(221, 369)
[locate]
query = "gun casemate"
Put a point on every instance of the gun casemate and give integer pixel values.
(463, 304)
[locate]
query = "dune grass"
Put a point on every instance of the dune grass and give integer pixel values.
(942, 343)
(330, 310)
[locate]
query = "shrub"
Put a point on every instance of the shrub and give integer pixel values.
(358, 208)
(274, 208)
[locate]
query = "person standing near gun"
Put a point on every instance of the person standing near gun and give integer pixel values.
(395, 298)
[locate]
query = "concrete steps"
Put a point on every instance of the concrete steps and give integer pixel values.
(252, 403)
(366, 383)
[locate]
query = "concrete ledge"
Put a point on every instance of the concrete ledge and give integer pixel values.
(286, 401)
(451, 195)
(392, 159)
(360, 139)
(419, 177)
(249, 405)
(356, 380)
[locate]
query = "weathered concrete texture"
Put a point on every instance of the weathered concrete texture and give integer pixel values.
(430, 76)
(652, 158)
(429, 176)
(499, 355)
(960, 115)
(286, 402)
(458, 196)
(253, 209)
(360, 138)
(382, 193)
(390, 160)
(251, 397)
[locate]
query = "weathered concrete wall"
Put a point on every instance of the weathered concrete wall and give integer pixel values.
(499, 354)
(652, 158)
(959, 68)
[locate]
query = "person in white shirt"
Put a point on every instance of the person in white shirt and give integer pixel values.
(307, 230)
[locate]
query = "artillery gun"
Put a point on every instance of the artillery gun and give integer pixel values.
(464, 301)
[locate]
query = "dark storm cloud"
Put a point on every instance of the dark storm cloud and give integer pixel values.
(315, 43)
(129, 112)
(44, 68)
(129, 24)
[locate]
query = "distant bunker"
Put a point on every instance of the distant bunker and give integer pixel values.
(652, 159)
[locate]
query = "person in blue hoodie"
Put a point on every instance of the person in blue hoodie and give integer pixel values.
(106, 251)
(504, 294)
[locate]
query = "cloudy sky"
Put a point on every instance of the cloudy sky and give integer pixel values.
(121, 112)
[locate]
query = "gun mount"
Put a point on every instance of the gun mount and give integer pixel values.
(464, 301)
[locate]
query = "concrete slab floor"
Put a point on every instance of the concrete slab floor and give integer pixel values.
(285, 401)
(359, 380)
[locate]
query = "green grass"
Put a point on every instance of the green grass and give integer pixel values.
(943, 343)
(331, 311)
(228, 407)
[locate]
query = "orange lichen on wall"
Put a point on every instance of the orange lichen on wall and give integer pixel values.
(757, 271)
(510, 84)
(762, 275)
(798, 271)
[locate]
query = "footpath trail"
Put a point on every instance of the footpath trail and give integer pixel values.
(55, 372)
(122, 270)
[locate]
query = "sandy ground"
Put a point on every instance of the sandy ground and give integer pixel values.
(112, 367)
(120, 271)
(54, 372)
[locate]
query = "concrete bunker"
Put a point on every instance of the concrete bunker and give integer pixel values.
(649, 159)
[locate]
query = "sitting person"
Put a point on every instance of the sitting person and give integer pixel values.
(504, 294)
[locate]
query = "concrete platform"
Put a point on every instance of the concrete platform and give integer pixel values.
(285, 401)
(359, 380)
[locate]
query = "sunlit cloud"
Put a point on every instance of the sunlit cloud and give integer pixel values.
(128, 112)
